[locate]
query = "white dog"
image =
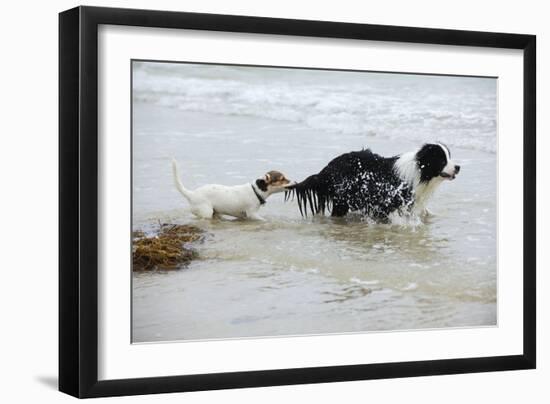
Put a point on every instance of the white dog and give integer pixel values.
(242, 201)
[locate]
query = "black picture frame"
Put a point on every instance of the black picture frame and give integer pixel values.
(78, 201)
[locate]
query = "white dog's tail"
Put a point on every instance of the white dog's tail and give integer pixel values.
(184, 191)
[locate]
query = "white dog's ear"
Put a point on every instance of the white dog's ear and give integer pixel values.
(267, 178)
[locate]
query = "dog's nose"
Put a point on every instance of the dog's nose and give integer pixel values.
(457, 169)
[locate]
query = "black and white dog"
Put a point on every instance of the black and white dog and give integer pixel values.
(374, 185)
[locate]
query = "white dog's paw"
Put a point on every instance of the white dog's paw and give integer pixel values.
(255, 216)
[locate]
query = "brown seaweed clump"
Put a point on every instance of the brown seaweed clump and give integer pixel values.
(168, 249)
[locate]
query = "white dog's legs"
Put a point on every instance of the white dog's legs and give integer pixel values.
(254, 216)
(203, 211)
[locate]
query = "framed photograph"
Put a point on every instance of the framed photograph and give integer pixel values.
(250, 201)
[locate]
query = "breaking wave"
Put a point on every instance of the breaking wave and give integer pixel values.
(460, 111)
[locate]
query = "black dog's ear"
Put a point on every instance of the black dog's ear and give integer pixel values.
(261, 184)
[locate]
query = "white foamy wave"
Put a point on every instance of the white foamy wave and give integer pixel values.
(362, 282)
(458, 111)
(410, 286)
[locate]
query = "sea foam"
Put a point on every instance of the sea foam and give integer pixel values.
(460, 111)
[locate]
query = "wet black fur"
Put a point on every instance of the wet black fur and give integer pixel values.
(366, 182)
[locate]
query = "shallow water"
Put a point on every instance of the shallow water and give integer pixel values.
(291, 275)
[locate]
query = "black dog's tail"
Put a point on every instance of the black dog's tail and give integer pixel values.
(311, 193)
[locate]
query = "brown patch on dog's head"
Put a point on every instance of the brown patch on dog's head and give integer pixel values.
(276, 178)
(273, 181)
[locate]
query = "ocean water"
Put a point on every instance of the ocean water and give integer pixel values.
(291, 275)
(458, 111)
